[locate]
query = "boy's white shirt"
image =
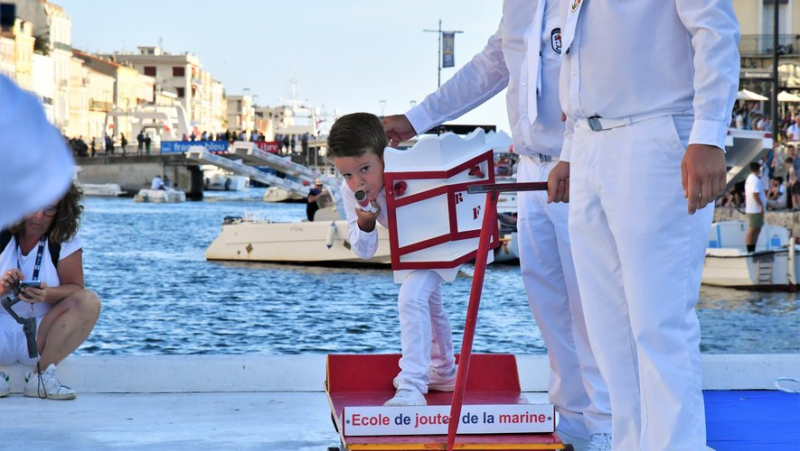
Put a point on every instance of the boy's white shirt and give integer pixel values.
(364, 244)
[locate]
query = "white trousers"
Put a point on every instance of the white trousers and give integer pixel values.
(425, 337)
(639, 258)
(575, 387)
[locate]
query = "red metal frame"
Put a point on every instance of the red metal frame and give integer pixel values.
(393, 202)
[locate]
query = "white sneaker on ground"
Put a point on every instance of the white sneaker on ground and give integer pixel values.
(599, 442)
(579, 443)
(440, 382)
(47, 386)
(407, 397)
(5, 388)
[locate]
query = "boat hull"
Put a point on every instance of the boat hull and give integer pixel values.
(160, 196)
(766, 270)
(275, 194)
(314, 243)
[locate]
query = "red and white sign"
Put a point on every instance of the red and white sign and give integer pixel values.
(433, 221)
(433, 420)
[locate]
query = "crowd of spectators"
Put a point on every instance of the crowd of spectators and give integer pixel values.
(778, 173)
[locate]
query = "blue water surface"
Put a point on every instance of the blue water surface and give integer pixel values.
(160, 295)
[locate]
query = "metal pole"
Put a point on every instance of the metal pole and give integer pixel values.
(775, 81)
(439, 53)
(439, 58)
(487, 230)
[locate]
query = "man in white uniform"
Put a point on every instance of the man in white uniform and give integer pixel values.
(35, 165)
(524, 55)
(648, 88)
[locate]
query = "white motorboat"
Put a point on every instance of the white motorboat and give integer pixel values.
(772, 266)
(323, 241)
(102, 189)
(278, 194)
(160, 196)
(216, 179)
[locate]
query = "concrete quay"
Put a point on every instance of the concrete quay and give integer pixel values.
(783, 218)
(242, 402)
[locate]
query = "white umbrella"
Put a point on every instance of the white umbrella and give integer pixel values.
(749, 95)
(784, 96)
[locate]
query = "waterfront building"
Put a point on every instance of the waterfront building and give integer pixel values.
(8, 66)
(44, 83)
(756, 20)
(184, 75)
(264, 121)
(219, 107)
(131, 89)
(77, 123)
(16, 51)
(57, 37)
(241, 114)
(101, 101)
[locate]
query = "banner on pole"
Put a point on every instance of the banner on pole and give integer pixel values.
(448, 49)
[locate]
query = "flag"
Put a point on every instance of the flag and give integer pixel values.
(448, 45)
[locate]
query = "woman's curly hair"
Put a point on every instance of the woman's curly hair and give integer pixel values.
(67, 220)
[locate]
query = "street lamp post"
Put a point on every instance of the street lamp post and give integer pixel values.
(439, 54)
(775, 81)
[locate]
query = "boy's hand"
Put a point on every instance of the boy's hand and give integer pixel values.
(366, 219)
(398, 129)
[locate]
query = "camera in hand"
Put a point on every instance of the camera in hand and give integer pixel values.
(30, 284)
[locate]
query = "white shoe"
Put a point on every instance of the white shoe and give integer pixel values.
(439, 382)
(47, 386)
(436, 382)
(5, 388)
(579, 443)
(599, 442)
(407, 397)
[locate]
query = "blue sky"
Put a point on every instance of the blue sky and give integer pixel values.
(346, 54)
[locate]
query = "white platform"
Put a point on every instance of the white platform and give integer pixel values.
(242, 403)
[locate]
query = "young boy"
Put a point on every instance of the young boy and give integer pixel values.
(355, 145)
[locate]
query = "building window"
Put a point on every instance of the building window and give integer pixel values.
(181, 92)
(178, 71)
(150, 71)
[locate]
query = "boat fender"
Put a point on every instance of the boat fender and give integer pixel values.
(227, 184)
(331, 234)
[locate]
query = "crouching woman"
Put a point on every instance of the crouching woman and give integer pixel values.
(45, 248)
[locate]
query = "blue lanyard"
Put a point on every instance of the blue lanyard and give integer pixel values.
(38, 263)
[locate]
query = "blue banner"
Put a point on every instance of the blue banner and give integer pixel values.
(448, 49)
(183, 146)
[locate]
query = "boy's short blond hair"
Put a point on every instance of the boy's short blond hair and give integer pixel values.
(355, 134)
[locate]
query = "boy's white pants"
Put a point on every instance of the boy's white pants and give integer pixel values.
(575, 387)
(425, 337)
(639, 258)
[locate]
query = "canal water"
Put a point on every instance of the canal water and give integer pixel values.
(160, 295)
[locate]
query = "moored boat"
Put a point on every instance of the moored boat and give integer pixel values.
(102, 189)
(160, 196)
(772, 266)
(316, 242)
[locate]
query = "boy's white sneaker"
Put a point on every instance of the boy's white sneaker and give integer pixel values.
(440, 382)
(407, 397)
(5, 387)
(47, 386)
(599, 442)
